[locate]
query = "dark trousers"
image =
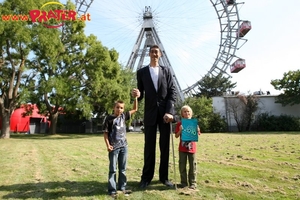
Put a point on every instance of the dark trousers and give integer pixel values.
(187, 177)
(149, 150)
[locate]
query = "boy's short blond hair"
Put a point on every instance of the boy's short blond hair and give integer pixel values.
(186, 107)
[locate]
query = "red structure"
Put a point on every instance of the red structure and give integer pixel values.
(244, 28)
(238, 65)
(31, 123)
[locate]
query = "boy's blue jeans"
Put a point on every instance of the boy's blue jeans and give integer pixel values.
(117, 157)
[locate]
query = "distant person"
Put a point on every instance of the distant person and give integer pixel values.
(155, 84)
(187, 151)
(117, 147)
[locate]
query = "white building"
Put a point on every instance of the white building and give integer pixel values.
(266, 105)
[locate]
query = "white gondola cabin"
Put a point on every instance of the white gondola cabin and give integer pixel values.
(244, 28)
(238, 65)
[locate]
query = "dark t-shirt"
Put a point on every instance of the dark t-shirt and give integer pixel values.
(115, 126)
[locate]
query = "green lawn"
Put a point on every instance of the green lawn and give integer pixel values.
(73, 166)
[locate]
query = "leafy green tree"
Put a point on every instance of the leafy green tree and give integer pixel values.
(203, 111)
(15, 79)
(75, 72)
(202, 108)
(130, 82)
(290, 84)
(66, 71)
(211, 86)
(217, 123)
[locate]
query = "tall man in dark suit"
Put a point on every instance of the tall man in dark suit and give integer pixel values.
(155, 84)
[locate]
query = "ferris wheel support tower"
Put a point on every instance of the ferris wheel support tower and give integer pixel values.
(232, 29)
(149, 34)
(152, 38)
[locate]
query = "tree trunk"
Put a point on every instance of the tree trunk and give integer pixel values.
(5, 129)
(53, 124)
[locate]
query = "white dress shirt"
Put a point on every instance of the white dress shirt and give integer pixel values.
(154, 75)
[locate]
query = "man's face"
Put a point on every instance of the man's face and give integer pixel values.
(154, 54)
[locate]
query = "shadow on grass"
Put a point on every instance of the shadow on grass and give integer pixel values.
(53, 190)
(52, 137)
(67, 189)
(154, 185)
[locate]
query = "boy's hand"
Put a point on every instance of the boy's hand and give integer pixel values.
(198, 129)
(110, 148)
(180, 128)
(179, 131)
(135, 93)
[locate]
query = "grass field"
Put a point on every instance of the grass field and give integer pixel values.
(73, 166)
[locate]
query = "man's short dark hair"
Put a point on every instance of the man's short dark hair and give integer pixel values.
(154, 46)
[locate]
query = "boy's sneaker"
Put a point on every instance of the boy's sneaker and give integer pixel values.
(192, 187)
(113, 195)
(127, 191)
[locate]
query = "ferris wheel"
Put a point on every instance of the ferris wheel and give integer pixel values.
(233, 30)
(192, 31)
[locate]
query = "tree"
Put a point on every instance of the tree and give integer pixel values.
(203, 111)
(243, 109)
(67, 71)
(75, 72)
(290, 84)
(129, 80)
(211, 86)
(15, 81)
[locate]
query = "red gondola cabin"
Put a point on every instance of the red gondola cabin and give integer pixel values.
(244, 28)
(230, 2)
(238, 65)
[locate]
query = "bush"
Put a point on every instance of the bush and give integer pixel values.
(212, 123)
(217, 124)
(266, 122)
(203, 111)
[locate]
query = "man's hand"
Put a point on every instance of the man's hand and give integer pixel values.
(135, 93)
(168, 118)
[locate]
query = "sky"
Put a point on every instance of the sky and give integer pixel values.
(190, 33)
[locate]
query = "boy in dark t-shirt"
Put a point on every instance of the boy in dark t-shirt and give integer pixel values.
(116, 143)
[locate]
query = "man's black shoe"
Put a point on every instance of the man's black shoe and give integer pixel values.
(143, 184)
(167, 183)
(181, 186)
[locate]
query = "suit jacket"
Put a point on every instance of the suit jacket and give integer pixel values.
(162, 100)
